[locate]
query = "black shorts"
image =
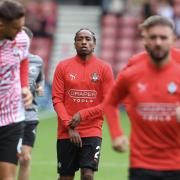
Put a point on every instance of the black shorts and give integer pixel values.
(11, 142)
(145, 174)
(71, 158)
(30, 133)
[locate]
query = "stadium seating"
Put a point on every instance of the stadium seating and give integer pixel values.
(109, 20)
(119, 39)
(42, 46)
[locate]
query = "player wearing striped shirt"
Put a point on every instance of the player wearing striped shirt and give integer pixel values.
(36, 84)
(152, 87)
(14, 90)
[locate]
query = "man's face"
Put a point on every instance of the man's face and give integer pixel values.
(158, 41)
(84, 43)
(11, 29)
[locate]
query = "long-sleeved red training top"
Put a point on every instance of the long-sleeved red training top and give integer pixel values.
(153, 94)
(174, 52)
(79, 85)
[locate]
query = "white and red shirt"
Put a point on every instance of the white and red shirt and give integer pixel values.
(153, 94)
(12, 53)
(81, 86)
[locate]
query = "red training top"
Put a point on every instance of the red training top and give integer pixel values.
(153, 95)
(174, 52)
(77, 85)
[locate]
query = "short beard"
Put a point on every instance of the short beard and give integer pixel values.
(157, 59)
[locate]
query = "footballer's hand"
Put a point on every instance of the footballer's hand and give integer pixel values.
(74, 122)
(120, 143)
(75, 137)
(40, 90)
(178, 113)
(27, 97)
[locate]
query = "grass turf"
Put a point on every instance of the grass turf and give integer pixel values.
(112, 165)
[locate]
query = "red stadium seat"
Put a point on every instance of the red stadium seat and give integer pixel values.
(176, 2)
(127, 21)
(108, 43)
(139, 45)
(127, 31)
(123, 56)
(109, 31)
(125, 44)
(176, 9)
(42, 47)
(32, 7)
(108, 56)
(110, 20)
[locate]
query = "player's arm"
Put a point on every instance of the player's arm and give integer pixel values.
(116, 95)
(58, 96)
(135, 59)
(178, 112)
(58, 103)
(24, 66)
(27, 96)
(40, 81)
(74, 137)
(95, 111)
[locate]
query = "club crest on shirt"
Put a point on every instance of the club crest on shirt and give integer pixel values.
(141, 87)
(16, 51)
(172, 87)
(94, 77)
(32, 69)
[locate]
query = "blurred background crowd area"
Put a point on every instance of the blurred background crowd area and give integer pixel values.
(115, 23)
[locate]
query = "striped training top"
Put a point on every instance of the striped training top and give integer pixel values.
(11, 55)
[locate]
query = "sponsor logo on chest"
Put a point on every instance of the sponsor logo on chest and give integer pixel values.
(82, 95)
(17, 52)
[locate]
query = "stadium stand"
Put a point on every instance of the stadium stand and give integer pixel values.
(118, 34)
(41, 19)
(70, 18)
(54, 23)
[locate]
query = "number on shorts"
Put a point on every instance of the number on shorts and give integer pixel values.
(96, 156)
(19, 146)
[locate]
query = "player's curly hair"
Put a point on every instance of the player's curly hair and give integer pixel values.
(93, 34)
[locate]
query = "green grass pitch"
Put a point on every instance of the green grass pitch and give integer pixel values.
(113, 165)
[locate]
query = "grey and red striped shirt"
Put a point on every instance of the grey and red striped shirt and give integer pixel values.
(11, 55)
